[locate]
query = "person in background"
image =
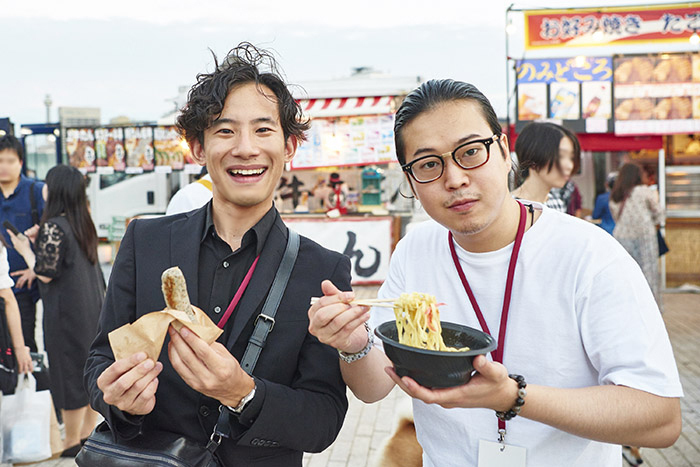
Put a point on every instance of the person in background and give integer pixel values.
(601, 210)
(192, 196)
(13, 319)
(72, 290)
(586, 364)
(22, 204)
(14, 323)
(573, 204)
(636, 211)
(547, 156)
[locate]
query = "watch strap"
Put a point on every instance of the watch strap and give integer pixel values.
(353, 357)
(244, 402)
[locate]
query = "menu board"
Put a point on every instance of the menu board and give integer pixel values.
(139, 148)
(564, 101)
(80, 147)
(532, 101)
(109, 148)
(170, 148)
(347, 141)
(657, 94)
(576, 92)
(596, 99)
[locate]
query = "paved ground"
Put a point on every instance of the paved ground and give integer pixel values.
(366, 426)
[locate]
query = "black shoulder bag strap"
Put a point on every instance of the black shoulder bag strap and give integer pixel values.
(264, 323)
(32, 201)
(266, 319)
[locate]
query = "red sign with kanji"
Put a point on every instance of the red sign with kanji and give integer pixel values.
(586, 27)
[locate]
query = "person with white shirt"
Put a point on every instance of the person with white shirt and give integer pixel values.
(591, 366)
(191, 196)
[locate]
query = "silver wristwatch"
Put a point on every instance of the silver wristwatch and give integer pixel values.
(353, 357)
(242, 404)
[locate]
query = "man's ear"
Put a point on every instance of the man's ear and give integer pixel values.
(290, 148)
(503, 142)
(198, 152)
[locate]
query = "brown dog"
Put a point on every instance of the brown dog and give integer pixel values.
(632, 455)
(401, 449)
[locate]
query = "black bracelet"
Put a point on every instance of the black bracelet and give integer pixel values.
(515, 410)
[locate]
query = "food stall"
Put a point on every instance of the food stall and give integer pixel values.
(659, 94)
(129, 167)
(641, 107)
(345, 176)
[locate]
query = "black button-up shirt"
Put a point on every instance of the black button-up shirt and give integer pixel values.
(221, 270)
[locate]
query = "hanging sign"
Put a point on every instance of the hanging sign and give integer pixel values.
(586, 27)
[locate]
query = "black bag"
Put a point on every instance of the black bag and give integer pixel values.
(169, 449)
(663, 247)
(161, 449)
(8, 363)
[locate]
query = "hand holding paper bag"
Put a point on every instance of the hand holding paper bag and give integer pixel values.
(147, 334)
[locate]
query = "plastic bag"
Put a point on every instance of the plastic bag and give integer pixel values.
(26, 420)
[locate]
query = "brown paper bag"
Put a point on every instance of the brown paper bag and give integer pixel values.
(147, 333)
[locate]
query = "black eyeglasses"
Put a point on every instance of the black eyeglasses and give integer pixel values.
(469, 155)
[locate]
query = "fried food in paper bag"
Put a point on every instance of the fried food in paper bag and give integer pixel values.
(147, 334)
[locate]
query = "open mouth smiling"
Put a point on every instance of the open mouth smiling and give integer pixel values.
(246, 172)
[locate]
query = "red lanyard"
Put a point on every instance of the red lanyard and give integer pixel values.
(498, 353)
(237, 296)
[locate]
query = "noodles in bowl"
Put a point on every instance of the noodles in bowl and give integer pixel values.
(418, 322)
(431, 367)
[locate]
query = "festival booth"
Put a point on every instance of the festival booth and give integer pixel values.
(642, 106)
(342, 187)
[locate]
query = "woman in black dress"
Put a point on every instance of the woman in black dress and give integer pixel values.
(72, 289)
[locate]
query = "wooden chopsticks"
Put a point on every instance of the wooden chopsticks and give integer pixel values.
(380, 302)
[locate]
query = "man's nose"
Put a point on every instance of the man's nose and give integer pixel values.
(455, 176)
(246, 145)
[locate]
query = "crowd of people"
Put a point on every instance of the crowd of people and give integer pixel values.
(51, 239)
(585, 348)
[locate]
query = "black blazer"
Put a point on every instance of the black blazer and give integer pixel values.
(298, 378)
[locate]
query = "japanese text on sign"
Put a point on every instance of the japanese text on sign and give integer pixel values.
(564, 70)
(366, 242)
(603, 26)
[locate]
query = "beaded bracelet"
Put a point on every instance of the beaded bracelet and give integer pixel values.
(515, 410)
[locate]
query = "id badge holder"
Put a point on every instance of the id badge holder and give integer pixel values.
(500, 454)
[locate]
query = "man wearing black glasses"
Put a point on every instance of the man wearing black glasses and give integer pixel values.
(577, 327)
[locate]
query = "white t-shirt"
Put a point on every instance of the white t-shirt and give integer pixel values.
(581, 315)
(6, 281)
(192, 196)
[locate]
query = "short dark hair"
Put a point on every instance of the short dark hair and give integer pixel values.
(243, 64)
(432, 93)
(537, 147)
(13, 144)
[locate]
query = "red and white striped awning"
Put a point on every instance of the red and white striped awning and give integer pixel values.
(346, 106)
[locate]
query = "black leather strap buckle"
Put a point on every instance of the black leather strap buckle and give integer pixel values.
(270, 319)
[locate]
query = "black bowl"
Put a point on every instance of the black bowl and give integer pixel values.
(433, 368)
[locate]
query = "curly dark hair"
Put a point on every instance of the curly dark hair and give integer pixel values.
(244, 63)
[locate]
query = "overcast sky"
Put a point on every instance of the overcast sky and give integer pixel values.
(130, 57)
